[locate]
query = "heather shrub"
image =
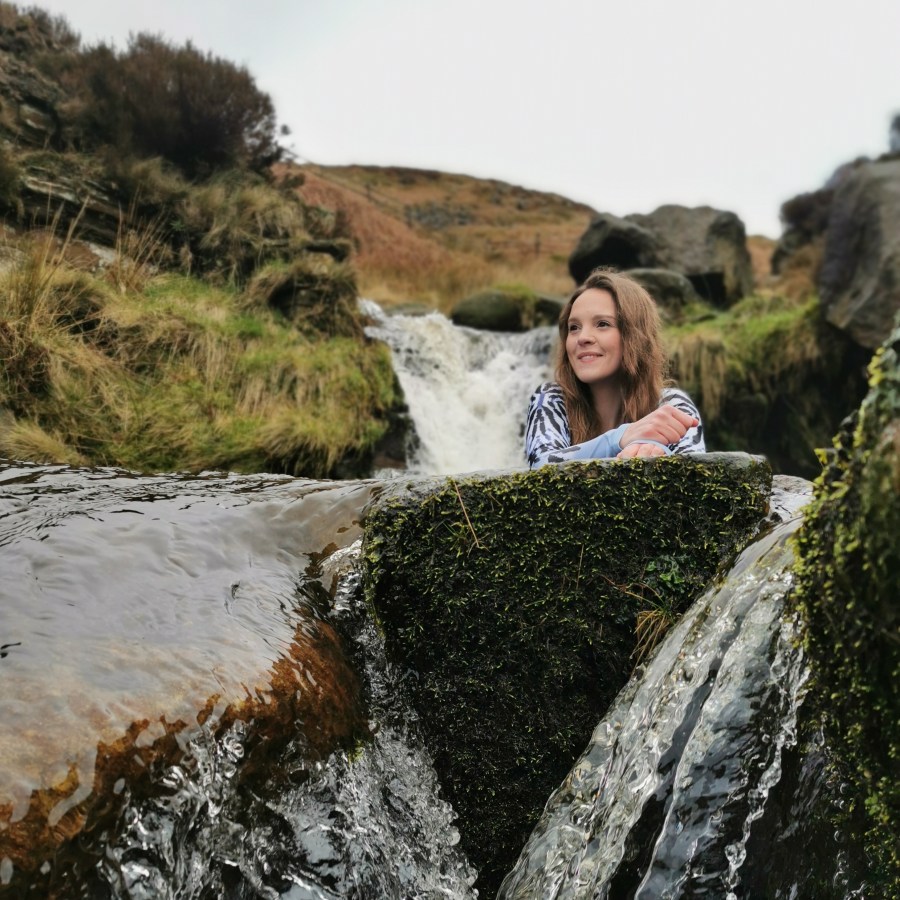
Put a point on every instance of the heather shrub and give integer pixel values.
(198, 111)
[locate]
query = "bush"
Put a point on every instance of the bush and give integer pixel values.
(808, 213)
(198, 111)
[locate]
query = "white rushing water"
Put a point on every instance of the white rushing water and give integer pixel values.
(467, 390)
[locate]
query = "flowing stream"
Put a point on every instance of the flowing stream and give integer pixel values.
(145, 619)
(467, 390)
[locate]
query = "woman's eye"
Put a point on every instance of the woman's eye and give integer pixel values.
(573, 328)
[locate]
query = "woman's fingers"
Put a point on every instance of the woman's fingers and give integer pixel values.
(668, 425)
(640, 450)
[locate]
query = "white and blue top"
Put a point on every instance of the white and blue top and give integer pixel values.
(549, 440)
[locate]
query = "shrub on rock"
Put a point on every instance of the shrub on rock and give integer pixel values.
(198, 111)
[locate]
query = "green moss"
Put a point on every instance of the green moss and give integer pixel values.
(847, 589)
(514, 599)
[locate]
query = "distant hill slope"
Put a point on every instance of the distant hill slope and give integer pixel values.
(434, 237)
(431, 238)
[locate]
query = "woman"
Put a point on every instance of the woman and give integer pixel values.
(610, 399)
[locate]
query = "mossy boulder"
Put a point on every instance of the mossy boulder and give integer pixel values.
(847, 592)
(521, 602)
(506, 309)
(671, 290)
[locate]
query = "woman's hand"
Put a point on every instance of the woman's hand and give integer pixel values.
(667, 424)
(640, 450)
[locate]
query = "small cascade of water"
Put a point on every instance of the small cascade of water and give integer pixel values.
(180, 717)
(467, 390)
(664, 801)
(366, 824)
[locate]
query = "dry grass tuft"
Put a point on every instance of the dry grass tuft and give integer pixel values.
(699, 361)
(651, 627)
(28, 441)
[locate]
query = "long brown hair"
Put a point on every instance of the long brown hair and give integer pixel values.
(642, 373)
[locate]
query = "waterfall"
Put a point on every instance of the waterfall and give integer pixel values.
(467, 390)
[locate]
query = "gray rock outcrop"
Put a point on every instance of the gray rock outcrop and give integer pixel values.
(672, 291)
(613, 241)
(859, 280)
(708, 246)
(28, 99)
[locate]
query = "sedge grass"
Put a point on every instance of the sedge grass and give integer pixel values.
(178, 375)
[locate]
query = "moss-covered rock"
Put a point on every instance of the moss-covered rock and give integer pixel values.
(510, 308)
(521, 602)
(847, 591)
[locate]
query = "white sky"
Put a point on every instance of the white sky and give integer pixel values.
(620, 104)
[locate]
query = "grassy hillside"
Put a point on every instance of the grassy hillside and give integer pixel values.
(435, 237)
(135, 366)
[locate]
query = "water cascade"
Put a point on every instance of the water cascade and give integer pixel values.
(467, 390)
(146, 620)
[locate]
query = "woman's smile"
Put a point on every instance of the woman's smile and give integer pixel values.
(594, 342)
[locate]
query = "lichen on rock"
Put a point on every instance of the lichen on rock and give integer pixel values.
(513, 599)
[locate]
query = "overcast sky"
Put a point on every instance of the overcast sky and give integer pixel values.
(622, 105)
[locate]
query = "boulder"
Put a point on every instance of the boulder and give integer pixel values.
(492, 311)
(612, 241)
(672, 291)
(521, 601)
(859, 281)
(506, 309)
(708, 246)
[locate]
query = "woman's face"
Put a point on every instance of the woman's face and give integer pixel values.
(594, 342)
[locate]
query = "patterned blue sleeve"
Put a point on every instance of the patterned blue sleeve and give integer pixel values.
(547, 435)
(693, 441)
